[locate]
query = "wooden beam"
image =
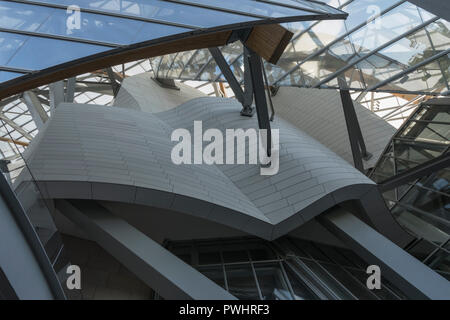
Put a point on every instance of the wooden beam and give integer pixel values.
(269, 41)
(20, 143)
(110, 58)
(222, 89)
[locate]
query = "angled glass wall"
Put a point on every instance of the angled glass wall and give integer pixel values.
(35, 204)
(422, 205)
(286, 269)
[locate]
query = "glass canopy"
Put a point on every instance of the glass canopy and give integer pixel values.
(35, 35)
(386, 46)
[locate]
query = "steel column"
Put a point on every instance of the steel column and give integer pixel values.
(256, 73)
(355, 136)
(417, 172)
(228, 74)
(409, 274)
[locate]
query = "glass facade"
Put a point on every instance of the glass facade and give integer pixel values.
(37, 207)
(422, 205)
(285, 269)
(36, 35)
(381, 41)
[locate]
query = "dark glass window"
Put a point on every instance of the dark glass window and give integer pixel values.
(241, 282)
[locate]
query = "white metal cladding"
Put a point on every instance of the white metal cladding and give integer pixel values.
(319, 113)
(92, 152)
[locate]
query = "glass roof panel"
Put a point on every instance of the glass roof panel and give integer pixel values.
(22, 17)
(40, 53)
(255, 7)
(164, 66)
(5, 76)
(432, 77)
(307, 5)
(9, 43)
(149, 31)
(385, 28)
(159, 10)
(42, 33)
(379, 39)
(200, 58)
(408, 51)
(179, 64)
(92, 27)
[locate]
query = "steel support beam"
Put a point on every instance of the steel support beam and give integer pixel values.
(228, 74)
(355, 136)
(244, 97)
(406, 272)
(417, 172)
(256, 73)
(35, 107)
(114, 84)
(56, 94)
(15, 126)
(168, 275)
(70, 89)
(248, 110)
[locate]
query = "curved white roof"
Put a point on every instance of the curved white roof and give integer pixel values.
(92, 152)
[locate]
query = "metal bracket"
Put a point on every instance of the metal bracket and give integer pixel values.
(244, 97)
(247, 111)
(241, 34)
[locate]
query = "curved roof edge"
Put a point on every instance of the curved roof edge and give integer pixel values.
(118, 154)
(91, 190)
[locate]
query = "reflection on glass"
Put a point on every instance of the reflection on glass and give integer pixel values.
(322, 48)
(33, 200)
(285, 269)
(423, 205)
(160, 10)
(5, 76)
(214, 273)
(9, 43)
(350, 282)
(39, 53)
(441, 261)
(301, 291)
(241, 282)
(230, 256)
(271, 282)
(329, 280)
(211, 256)
(253, 7)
